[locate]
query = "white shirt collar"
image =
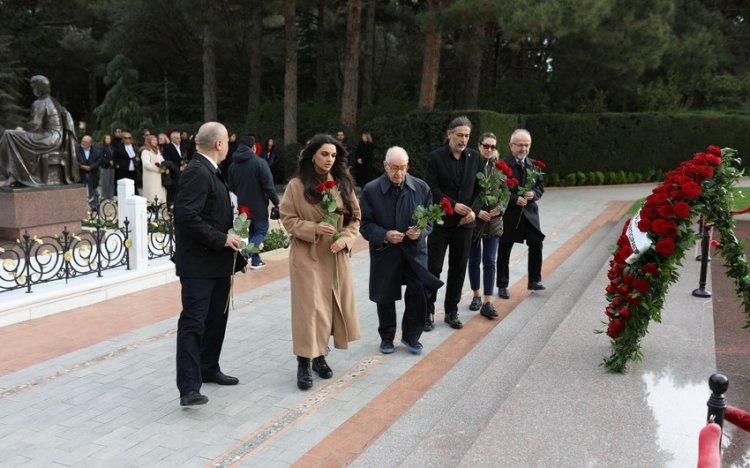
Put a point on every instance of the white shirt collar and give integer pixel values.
(216, 166)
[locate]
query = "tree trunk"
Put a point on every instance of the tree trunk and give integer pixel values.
(256, 69)
(351, 64)
(320, 63)
(290, 74)
(209, 74)
(430, 64)
(368, 55)
(473, 68)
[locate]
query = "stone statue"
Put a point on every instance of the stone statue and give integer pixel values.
(45, 154)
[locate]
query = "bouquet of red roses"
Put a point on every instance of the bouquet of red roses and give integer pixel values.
(328, 203)
(434, 214)
(494, 186)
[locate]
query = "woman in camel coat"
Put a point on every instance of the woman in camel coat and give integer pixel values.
(323, 302)
(152, 170)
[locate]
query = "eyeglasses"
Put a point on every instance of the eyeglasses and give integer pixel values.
(127, 138)
(489, 147)
(398, 168)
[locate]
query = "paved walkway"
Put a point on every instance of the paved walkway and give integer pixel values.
(95, 386)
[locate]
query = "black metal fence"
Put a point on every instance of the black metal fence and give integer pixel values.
(34, 260)
(160, 229)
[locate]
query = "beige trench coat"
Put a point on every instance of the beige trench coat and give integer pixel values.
(319, 309)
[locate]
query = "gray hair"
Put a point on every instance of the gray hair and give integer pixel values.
(461, 121)
(519, 131)
(393, 150)
(174, 132)
(209, 134)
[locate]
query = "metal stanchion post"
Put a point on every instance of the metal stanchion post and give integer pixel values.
(705, 238)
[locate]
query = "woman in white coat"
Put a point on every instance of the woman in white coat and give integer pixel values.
(153, 168)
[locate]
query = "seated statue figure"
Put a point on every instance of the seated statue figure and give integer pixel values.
(34, 157)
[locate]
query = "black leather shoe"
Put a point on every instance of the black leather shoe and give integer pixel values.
(193, 399)
(488, 310)
(428, 324)
(320, 366)
(503, 293)
(452, 320)
(304, 375)
(221, 378)
(536, 286)
(476, 303)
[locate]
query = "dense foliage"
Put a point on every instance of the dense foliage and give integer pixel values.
(547, 56)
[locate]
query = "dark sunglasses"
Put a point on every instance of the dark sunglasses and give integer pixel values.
(489, 147)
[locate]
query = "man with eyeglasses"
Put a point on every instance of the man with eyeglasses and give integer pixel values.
(398, 250)
(521, 218)
(451, 173)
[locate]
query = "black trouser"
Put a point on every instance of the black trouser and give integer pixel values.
(457, 240)
(200, 330)
(535, 259)
(415, 306)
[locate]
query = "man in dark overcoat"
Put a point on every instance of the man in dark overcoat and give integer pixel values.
(206, 259)
(452, 174)
(398, 250)
(521, 218)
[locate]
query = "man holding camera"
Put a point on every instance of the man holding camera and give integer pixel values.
(251, 180)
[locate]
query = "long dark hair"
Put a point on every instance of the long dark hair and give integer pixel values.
(339, 171)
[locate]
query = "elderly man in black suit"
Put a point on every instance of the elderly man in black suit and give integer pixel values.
(173, 157)
(398, 249)
(521, 218)
(89, 161)
(451, 174)
(205, 259)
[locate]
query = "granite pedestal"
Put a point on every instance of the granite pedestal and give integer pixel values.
(42, 211)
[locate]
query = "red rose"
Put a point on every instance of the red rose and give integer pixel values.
(330, 184)
(712, 160)
(629, 278)
(615, 328)
(512, 182)
(691, 190)
(665, 247)
(157, 164)
(633, 300)
(715, 244)
(715, 150)
(625, 313)
(681, 209)
(665, 211)
(446, 205)
(649, 213)
(659, 226)
(644, 225)
(616, 302)
(610, 289)
(650, 269)
(321, 187)
(540, 164)
(244, 209)
(623, 290)
(671, 229)
(640, 285)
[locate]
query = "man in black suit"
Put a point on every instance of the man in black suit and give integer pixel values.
(452, 174)
(521, 218)
(89, 161)
(206, 258)
(173, 156)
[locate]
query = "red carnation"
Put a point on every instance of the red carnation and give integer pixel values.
(650, 269)
(512, 182)
(330, 184)
(671, 229)
(540, 164)
(244, 209)
(712, 160)
(640, 285)
(644, 225)
(625, 313)
(321, 187)
(715, 150)
(665, 247)
(659, 226)
(446, 205)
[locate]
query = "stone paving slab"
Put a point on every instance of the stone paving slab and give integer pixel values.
(119, 396)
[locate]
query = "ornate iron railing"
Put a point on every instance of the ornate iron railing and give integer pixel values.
(160, 229)
(105, 214)
(34, 260)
